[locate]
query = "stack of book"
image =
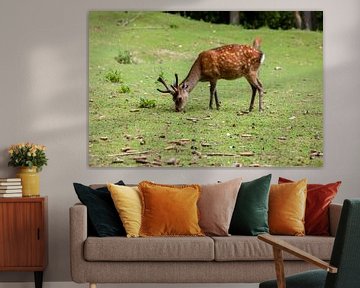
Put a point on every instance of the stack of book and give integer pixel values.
(10, 187)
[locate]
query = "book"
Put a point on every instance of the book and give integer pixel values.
(10, 180)
(9, 195)
(9, 183)
(10, 191)
(2, 188)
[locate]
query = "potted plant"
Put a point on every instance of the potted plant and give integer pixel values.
(30, 158)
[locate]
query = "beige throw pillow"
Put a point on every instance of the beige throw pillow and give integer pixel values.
(216, 206)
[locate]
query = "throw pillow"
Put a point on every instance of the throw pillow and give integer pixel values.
(287, 204)
(127, 201)
(102, 214)
(216, 206)
(169, 210)
(250, 215)
(319, 197)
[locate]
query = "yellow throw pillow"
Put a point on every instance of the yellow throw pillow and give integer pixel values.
(287, 204)
(127, 201)
(169, 210)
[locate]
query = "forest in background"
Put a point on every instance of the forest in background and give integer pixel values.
(305, 20)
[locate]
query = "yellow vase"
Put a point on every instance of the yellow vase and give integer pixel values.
(30, 181)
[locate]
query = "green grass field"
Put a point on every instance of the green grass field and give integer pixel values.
(132, 124)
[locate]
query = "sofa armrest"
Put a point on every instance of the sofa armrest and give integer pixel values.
(78, 235)
(334, 217)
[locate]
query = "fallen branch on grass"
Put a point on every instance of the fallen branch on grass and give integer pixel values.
(129, 153)
(180, 142)
(221, 154)
(230, 154)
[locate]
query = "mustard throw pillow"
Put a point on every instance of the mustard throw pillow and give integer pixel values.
(127, 201)
(287, 204)
(169, 210)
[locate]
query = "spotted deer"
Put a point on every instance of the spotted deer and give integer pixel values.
(226, 62)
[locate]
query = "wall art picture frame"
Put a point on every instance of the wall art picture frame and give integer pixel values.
(149, 87)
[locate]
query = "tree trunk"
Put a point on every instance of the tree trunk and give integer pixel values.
(298, 20)
(234, 17)
(307, 20)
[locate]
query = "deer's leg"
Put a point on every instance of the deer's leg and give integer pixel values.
(261, 101)
(256, 86)
(261, 93)
(216, 96)
(217, 102)
(253, 87)
(212, 94)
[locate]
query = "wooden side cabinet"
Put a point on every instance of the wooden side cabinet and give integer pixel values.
(23, 235)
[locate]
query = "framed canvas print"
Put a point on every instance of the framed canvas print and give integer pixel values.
(205, 89)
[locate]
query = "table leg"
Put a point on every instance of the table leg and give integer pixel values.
(38, 279)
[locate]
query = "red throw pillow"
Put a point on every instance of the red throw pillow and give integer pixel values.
(319, 197)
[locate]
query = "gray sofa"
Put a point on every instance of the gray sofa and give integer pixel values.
(234, 259)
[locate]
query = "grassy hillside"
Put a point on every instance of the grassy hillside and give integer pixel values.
(132, 124)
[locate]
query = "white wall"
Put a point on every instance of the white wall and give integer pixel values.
(43, 88)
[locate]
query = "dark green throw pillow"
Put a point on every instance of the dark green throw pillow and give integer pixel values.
(103, 218)
(250, 216)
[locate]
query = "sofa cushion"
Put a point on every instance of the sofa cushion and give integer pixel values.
(102, 215)
(245, 248)
(127, 201)
(287, 204)
(318, 199)
(250, 215)
(216, 206)
(149, 249)
(169, 210)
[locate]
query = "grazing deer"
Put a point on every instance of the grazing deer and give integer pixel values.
(226, 62)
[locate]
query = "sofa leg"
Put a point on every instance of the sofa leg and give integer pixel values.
(92, 285)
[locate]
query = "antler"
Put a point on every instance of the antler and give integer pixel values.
(174, 87)
(166, 86)
(176, 84)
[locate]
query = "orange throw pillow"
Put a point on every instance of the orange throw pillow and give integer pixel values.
(287, 204)
(319, 197)
(169, 210)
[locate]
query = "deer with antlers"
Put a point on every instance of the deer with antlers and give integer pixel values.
(226, 62)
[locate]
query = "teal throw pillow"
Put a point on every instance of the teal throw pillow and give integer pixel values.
(250, 216)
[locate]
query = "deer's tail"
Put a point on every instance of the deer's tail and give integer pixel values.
(257, 43)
